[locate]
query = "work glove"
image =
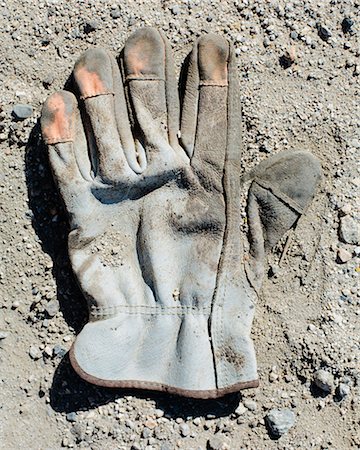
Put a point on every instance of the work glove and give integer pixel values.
(155, 216)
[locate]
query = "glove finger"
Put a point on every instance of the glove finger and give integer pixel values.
(152, 93)
(98, 80)
(64, 135)
(190, 101)
(207, 89)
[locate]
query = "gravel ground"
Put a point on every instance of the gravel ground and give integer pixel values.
(299, 71)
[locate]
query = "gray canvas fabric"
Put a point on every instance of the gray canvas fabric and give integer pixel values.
(154, 216)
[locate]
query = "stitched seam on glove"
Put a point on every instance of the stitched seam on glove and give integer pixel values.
(280, 195)
(148, 310)
(143, 78)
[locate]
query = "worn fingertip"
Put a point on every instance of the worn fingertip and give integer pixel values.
(93, 73)
(144, 54)
(57, 118)
(213, 57)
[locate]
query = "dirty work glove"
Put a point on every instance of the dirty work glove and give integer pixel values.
(154, 216)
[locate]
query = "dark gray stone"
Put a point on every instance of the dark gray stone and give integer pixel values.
(22, 112)
(347, 25)
(324, 32)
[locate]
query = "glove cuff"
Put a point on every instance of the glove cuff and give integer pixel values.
(168, 351)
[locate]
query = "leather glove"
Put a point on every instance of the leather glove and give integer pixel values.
(155, 218)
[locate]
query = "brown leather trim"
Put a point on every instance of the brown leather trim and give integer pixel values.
(154, 386)
(143, 78)
(91, 94)
(57, 140)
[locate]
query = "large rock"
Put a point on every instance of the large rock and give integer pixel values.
(280, 421)
(349, 230)
(217, 442)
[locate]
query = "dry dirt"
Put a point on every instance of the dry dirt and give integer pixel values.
(299, 74)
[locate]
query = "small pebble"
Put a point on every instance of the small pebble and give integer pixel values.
(146, 433)
(280, 421)
(52, 308)
(22, 112)
(71, 417)
(197, 421)
(115, 13)
(159, 413)
(66, 442)
(130, 424)
(240, 410)
(184, 429)
(34, 352)
(273, 376)
(324, 32)
(324, 380)
(343, 390)
(59, 350)
(3, 335)
(345, 209)
(343, 256)
(250, 404)
(150, 424)
(288, 58)
(347, 24)
(175, 9)
(90, 26)
(48, 351)
(48, 80)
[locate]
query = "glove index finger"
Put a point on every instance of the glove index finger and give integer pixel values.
(63, 133)
(57, 118)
